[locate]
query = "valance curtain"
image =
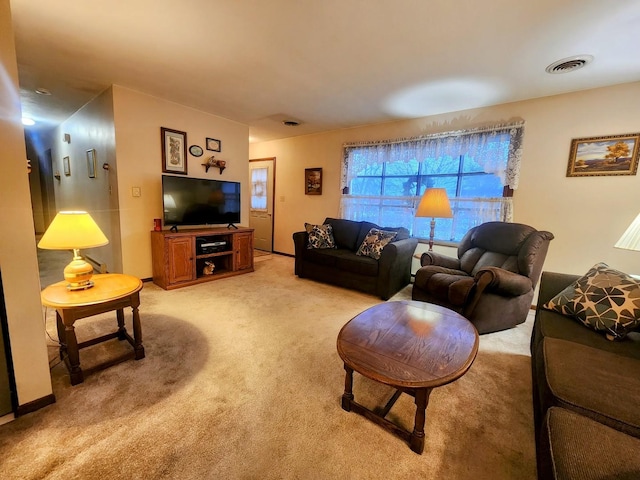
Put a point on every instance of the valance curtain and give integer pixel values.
(497, 149)
(483, 144)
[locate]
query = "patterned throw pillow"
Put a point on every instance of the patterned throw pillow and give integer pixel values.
(374, 242)
(320, 236)
(604, 299)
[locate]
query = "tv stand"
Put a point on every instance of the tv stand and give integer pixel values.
(174, 229)
(231, 225)
(189, 257)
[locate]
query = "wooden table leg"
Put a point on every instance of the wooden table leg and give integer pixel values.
(121, 328)
(61, 335)
(137, 331)
(73, 354)
(347, 396)
(417, 437)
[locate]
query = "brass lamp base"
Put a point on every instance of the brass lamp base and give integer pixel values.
(78, 274)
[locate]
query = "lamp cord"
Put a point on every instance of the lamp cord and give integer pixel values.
(58, 343)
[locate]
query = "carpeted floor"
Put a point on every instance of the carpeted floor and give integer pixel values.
(242, 380)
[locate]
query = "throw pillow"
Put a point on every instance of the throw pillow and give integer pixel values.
(604, 299)
(320, 236)
(374, 242)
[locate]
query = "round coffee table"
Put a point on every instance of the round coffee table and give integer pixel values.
(411, 346)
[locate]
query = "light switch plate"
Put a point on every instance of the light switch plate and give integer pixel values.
(135, 192)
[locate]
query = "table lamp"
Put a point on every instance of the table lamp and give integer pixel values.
(630, 239)
(74, 230)
(434, 204)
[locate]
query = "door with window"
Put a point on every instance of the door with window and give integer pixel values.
(262, 175)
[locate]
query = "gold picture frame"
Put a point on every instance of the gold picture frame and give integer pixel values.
(607, 155)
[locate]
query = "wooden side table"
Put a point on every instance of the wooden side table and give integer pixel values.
(111, 291)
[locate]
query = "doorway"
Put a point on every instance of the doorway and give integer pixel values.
(261, 217)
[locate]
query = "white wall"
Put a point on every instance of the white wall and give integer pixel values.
(91, 127)
(586, 215)
(138, 119)
(18, 261)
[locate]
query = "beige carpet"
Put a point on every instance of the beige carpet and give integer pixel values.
(242, 380)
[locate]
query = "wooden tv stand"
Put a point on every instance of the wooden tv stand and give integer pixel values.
(179, 257)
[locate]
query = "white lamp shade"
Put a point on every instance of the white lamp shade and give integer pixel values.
(72, 230)
(434, 204)
(630, 239)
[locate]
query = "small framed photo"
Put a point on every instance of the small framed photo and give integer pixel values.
(214, 145)
(174, 151)
(91, 163)
(609, 155)
(196, 150)
(66, 166)
(313, 181)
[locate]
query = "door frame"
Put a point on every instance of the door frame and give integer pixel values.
(273, 196)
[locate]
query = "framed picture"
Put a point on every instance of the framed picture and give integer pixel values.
(610, 155)
(195, 150)
(313, 181)
(66, 166)
(91, 163)
(214, 145)
(174, 151)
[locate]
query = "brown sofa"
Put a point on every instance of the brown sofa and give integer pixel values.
(341, 266)
(586, 395)
(493, 279)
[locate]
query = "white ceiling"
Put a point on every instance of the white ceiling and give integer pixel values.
(326, 63)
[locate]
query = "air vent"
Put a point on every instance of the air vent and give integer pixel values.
(290, 123)
(569, 64)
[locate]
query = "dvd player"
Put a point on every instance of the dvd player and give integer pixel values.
(213, 244)
(207, 247)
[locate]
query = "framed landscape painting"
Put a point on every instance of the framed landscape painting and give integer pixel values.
(610, 155)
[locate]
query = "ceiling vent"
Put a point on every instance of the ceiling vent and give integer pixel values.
(290, 123)
(569, 64)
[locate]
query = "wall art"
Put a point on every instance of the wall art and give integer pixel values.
(91, 163)
(214, 145)
(174, 151)
(608, 155)
(313, 181)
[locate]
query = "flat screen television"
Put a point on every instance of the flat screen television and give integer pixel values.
(197, 201)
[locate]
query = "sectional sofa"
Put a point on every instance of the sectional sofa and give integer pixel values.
(586, 393)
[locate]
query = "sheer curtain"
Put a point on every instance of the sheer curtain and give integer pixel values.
(497, 149)
(259, 189)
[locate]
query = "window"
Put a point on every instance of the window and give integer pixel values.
(386, 180)
(259, 189)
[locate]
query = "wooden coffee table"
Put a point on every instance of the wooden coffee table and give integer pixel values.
(412, 346)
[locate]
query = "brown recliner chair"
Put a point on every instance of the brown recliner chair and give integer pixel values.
(493, 279)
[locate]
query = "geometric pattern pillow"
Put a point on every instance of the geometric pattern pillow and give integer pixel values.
(320, 236)
(604, 299)
(374, 242)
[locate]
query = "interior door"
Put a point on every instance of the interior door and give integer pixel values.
(262, 178)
